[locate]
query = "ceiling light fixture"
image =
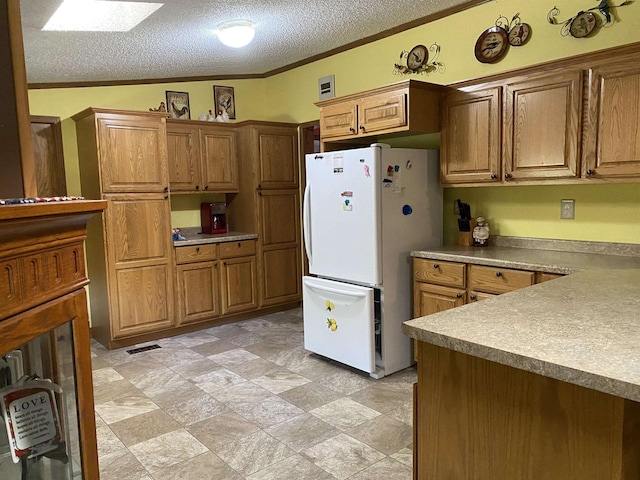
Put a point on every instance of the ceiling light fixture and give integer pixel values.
(99, 15)
(236, 33)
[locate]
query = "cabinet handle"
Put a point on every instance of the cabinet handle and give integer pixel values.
(493, 176)
(352, 130)
(260, 185)
(435, 265)
(362, 128)
(197, 187)
(459, 295)
(206, 187)
(166, 197)
(224, 263)
(215, 265)
(473, 296)
(197, 249)
(507, 176)
(239, 244)
(166, 189)
(590, 172)
(498, 274)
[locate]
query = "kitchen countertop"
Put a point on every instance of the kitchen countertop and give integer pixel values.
(548, 261)
(583, 328)
(194, 237)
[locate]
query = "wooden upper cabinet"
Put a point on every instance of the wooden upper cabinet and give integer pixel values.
(542, 120)
(339, 120)
(219, 159)
(202, 157)
(133, 155)
(183, 154)
(277, 157)
(404, 106)
(611, 141)
(471, 126)
(382, 112)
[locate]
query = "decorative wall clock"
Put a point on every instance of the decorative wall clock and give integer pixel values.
(418, 60)
(583, 23)
(493, 43)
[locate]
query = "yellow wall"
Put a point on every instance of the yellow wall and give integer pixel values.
(604, 213)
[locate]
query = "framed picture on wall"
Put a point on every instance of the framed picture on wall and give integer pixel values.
(178, 105)
(224, 101)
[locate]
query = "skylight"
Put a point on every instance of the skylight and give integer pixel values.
(99, 15)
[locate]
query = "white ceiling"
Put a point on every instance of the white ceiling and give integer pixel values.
(177, 41)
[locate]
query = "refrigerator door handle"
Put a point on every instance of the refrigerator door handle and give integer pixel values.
(306, 222)
(335, 291)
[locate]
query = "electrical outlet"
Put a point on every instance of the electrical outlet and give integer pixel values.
(567, 209)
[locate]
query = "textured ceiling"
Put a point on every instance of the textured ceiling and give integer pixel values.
(178, 40)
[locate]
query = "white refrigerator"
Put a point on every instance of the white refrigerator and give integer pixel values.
(364, 211)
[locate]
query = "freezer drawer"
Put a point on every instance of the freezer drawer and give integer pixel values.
(339, 322)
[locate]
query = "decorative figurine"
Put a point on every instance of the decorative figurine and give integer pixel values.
(223, 116)
(481, 233)
(161, 108)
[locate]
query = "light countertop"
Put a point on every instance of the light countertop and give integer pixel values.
(194, 236)
(582, 328)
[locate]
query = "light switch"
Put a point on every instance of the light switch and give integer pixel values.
(567, 209)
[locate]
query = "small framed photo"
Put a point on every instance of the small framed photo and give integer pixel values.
(178, 105)
(224, 101)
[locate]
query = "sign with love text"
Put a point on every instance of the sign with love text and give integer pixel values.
(31, 418)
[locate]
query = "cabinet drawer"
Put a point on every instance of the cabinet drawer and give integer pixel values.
(442, 273)
(237, 249)
(196, 253)
(498, 280)
(545, 277)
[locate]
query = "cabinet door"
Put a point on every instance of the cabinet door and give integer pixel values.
(138, 243)
(384, 111)
(430, 299)
(219, 159)
(471, 130)
(542, 127)
(198, 291)
(132, 153)
(183, 155)
(280, 238)
(281, 281)
(238, 285)
(277, 157)
(611, 136)
(339, 120)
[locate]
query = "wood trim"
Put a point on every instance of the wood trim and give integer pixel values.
(192, 327)
(358, 43)
(22, 99)
(84, 381)
(584, 61)
(378, 36)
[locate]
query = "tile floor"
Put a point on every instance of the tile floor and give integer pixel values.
(246, 401)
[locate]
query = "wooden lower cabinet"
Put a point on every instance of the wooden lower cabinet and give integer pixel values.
(239, 285)
(198, 287)
(439, 286)
(215, 280)
(476, 419)
(430, 298)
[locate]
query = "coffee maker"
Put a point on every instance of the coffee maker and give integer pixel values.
(213, 217)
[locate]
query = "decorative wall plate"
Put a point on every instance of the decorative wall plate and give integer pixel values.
(491, 45)
(582, 25)
(584, 22)
(519, 34)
